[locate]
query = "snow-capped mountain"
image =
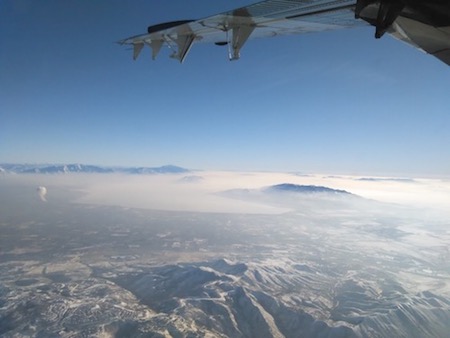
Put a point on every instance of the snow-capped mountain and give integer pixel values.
(166, 169)
(83, 168)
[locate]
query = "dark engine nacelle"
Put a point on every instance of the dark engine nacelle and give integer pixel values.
(166, 25)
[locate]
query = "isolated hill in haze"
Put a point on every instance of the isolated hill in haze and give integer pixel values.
(287, 188)
(308, 198)
(307, 189)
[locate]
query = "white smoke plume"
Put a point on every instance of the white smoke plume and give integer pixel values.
(42, 191)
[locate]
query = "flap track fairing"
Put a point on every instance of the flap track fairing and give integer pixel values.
(155, 45)
(184, 44)
(137, 47)
(240, 34)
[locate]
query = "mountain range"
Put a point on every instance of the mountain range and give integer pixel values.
(223, 298)
(83, 168)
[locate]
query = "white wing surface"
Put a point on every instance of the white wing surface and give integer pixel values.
(422, 23)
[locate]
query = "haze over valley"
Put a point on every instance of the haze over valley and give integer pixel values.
(170, 252)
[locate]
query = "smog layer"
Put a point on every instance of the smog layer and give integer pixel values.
(220, 254)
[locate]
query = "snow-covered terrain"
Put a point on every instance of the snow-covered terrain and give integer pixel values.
(79, 258)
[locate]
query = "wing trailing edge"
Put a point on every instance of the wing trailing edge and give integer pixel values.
(425, 24)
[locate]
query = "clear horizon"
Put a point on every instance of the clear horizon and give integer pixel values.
(379, 175)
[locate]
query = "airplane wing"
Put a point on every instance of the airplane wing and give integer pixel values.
(424, 24)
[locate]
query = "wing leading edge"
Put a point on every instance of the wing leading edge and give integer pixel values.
(424, 24)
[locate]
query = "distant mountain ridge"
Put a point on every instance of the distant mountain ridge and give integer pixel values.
(308, 189)
(83, 168)
(287, 189)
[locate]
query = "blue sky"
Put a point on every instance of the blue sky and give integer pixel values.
(337, 102)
